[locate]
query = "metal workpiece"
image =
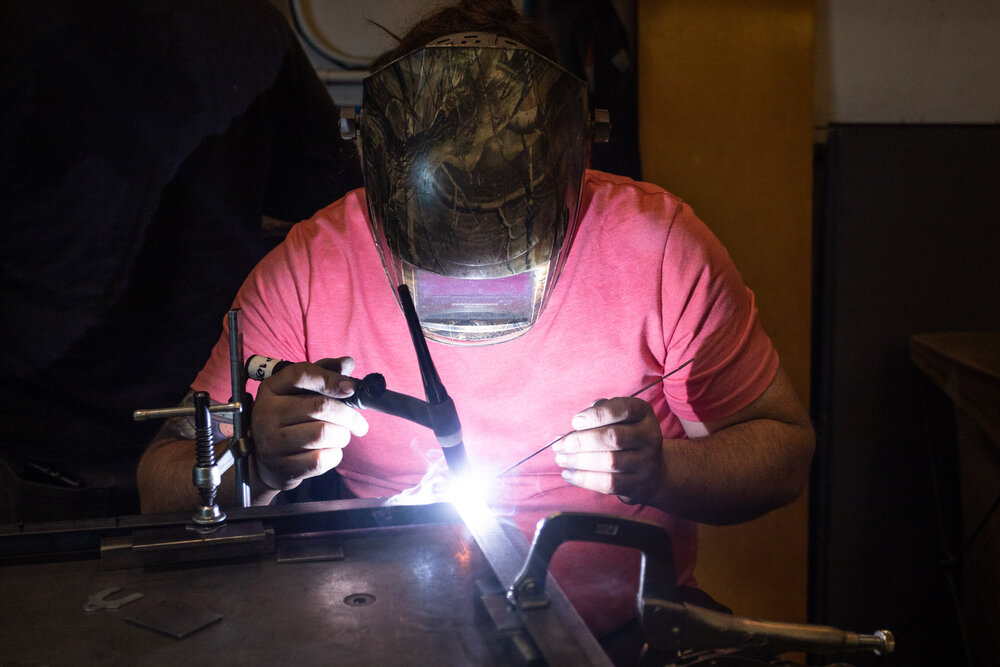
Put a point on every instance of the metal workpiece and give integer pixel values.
(87, 538)
(555, 629)
(172, 545)
(391, 585)
(172, 619)
(311, 583)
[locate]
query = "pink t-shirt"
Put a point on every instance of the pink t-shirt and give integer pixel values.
(645, 288)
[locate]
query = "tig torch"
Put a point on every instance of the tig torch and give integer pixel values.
(437, 413)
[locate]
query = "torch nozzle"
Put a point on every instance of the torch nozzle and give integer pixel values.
(456, 458)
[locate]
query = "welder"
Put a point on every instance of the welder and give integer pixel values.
(543, 288)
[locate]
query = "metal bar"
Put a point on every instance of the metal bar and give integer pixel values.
(237, 373)
(163, 413)
(557, 630)
(58, 540)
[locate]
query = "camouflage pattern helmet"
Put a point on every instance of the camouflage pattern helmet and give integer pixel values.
(474, 150)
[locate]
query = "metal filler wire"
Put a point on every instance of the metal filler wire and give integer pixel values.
(554, 441)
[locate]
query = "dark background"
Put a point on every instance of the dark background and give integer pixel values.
(906, 237)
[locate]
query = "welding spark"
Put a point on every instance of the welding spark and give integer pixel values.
(468, 489)
(469, 493)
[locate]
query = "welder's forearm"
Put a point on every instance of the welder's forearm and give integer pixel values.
(737, 473)
(260, 493)
(165, 479)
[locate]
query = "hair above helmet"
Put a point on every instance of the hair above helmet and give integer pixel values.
(474, 151)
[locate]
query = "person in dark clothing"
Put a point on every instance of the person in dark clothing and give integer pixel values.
(593, 43)
(145, 146)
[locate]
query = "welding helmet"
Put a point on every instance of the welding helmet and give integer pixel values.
(474, 149)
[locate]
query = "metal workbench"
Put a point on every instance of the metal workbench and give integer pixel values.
(339, 582)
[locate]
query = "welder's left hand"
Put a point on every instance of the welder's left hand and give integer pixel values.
(616, 449)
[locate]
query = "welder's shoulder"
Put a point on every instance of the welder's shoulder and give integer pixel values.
(342, 216)
(621, 195)
(340, 221)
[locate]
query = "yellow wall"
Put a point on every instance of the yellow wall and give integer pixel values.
(725, 104)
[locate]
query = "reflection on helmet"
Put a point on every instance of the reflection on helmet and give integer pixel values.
(474, 152)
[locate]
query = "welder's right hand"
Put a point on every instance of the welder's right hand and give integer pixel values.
(298, 426)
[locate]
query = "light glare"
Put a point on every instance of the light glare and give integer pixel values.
(469, 493)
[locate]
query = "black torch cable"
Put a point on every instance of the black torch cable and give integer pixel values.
(433, 387)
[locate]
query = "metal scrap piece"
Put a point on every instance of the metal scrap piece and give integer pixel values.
(99, 599)
(173, 619)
